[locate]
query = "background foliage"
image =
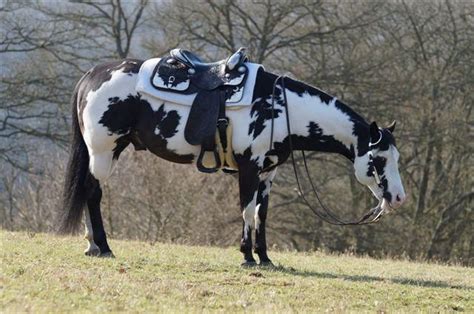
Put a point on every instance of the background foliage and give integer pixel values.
(404, 60)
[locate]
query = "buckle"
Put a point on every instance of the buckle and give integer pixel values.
(223, 120)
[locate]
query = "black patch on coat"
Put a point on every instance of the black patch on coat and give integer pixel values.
(314, 142)
(248, 176)
(361, 127)
(267, 163)
(122, 114)
(301, 88)
(98, 75)
(120, 144)
(327, 143)
(262, 109)
(167, 122)
(386, 194)
(282, 149)
(264, 90)
(245, 157)
(379, 164)
(134, 119)
(102, 73)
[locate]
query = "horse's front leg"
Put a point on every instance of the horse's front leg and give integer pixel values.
(248, 185)
(263, 195)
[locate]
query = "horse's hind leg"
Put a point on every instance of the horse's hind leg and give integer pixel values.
(95, 232)
(100, 166)
(92, 248)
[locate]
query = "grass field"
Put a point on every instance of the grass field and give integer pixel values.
(43, 273)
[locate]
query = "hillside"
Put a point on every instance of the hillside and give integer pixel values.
(43, 273)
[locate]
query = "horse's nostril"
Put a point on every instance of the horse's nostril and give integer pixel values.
(398, 198)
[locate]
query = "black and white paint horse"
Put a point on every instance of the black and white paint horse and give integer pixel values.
(109, 114)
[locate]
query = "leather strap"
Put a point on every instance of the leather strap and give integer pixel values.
(326, 214)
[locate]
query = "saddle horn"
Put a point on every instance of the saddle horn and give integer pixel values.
(237, 58)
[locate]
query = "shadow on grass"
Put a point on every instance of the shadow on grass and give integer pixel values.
(359, 278)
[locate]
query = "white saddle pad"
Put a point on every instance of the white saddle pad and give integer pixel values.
(145, 86)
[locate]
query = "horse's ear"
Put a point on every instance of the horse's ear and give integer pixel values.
(392, 125)
(374, 132)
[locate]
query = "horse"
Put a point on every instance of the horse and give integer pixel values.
(109, 114)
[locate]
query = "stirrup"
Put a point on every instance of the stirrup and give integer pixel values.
(201, 167)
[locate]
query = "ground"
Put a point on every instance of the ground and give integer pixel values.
(45, 273)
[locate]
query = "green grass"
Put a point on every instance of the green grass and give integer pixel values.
(43, 273)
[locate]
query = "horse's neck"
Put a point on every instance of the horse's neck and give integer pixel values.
(327, 124)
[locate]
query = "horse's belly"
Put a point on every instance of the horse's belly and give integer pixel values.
(168, 133)
(162, 131)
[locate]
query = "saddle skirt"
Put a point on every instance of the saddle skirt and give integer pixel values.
(151, 83)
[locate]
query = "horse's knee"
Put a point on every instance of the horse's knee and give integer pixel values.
(101, 165)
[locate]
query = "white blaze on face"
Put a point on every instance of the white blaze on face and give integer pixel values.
(361, 166)
(392, 174)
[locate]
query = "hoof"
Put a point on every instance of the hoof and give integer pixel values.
(266, 264)
(249, 264)
(108, 254)
(92, 252)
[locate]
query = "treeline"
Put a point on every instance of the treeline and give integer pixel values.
(390, 60)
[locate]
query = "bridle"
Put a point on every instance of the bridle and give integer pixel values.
(325, 214)
(372, 167)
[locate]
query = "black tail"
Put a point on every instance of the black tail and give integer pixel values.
(75, 189)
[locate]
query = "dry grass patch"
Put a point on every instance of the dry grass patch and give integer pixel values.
(43, 273)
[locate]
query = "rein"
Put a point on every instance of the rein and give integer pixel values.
(326, 214)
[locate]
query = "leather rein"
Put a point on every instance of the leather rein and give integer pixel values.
(326, 214)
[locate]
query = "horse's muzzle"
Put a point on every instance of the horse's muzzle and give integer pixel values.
(387, 206)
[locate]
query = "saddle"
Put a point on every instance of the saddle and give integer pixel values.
(214, 84)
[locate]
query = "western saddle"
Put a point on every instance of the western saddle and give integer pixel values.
(213, 83)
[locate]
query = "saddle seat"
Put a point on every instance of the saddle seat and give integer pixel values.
(213, 84)
(194, 61)
(189, 58)
(213, 74)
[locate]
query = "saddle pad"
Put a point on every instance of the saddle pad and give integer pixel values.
(145, 86)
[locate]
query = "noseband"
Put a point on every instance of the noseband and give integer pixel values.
(325, 214)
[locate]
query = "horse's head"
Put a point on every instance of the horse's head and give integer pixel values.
(378, 168)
